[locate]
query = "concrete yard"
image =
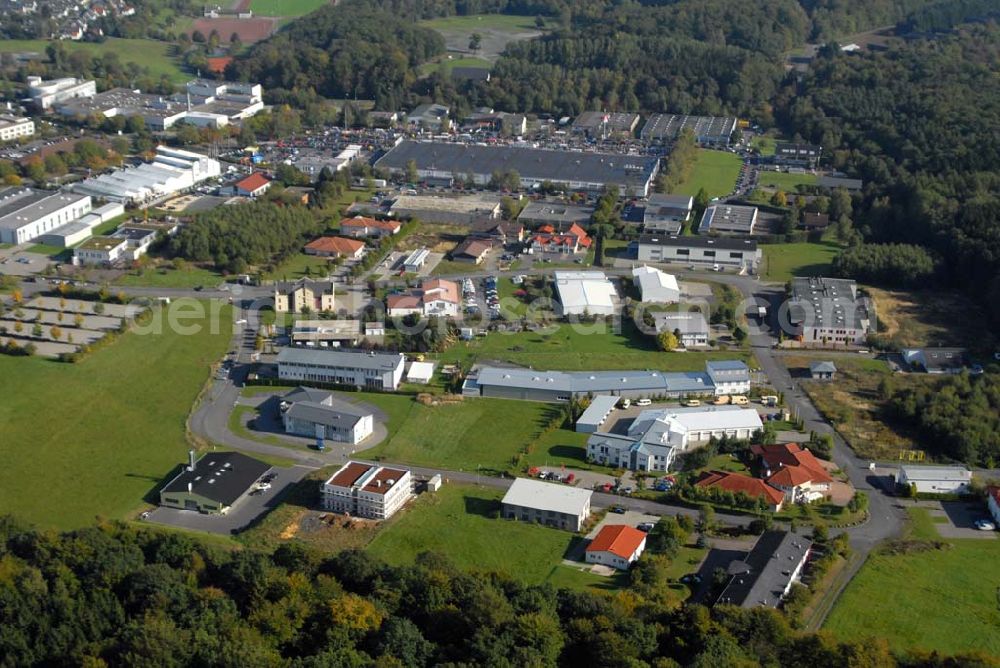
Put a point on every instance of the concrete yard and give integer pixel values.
(956, 519)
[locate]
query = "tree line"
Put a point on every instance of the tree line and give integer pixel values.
(112, 595)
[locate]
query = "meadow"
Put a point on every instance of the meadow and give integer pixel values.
(783, 261)
(158, 57)
(715, 171)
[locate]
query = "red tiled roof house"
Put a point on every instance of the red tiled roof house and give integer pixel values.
(360, 227)
(755, 488)
(351, 249)
(617, 546)
(794, 470)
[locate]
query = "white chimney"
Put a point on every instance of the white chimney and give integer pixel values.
(190, 460)
(189, 487)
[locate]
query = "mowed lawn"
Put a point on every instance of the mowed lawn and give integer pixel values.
(93, 438)
(582, 348)
(286, 7)
(942, 600)
(715, 171)
(476, 433)
(461, 521)
(783, 261)
(785, 181)
(168, 277)
(481, 22)
(154, 55)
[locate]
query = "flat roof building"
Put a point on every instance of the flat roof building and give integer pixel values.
(704, 251)
(666, 213)
(690, 326)
(706, 129)
(585, 292)
(828, 311)
(367, 490)
(171, 171)
(355, 368)
(797, 155)
(15, 127)
(463, 210)
(633, 175)
(559, 506)
(728, 219)
(26, 213)
(326, 333)
(214, 483)
(935, 479)
(603, 124)
(596, 413)
(44, 94)
(557, 214)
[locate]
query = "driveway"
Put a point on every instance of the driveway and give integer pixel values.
(956, 519)
(246, 511)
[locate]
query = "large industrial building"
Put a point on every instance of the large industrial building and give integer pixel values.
(585, 293)
(26, 214)
(829, 311)
(45, 94)
(213, 484)
(171, 172)
(716, 130)
(633, 175)
(726, 377)
(704, 251)
(358, 368)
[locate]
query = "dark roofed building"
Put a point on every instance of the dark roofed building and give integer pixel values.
(833, 182)
(797, 155)
(471, 250)
(470, 73)
(315, 413)
(214, 483)
(706, 129)
(815, 221)
(765, 576)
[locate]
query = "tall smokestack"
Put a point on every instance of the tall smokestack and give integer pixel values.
(190, 460)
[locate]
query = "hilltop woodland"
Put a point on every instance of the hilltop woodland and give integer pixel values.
(112, 595)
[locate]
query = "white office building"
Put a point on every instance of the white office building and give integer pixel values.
(367, 490)
(15, 127)
(555, 505)
(935, 479)
(690, 327)
(363, 369)
(44, 94)
(26, 213)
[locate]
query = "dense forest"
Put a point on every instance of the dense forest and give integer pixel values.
(113, 595)
(234, 237)
(919, 125)
(959, 416)
(904, 265)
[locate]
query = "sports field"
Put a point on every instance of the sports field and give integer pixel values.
(286, 7)
(934, 597)
(158, 57)
(783, 261)
(93, 438)
(715, 171)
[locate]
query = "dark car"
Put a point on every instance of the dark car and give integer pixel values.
(617, 510)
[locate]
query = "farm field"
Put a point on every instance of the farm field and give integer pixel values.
(462, 523)
(568, 348)
(286, 8)
(959, 577)
(157, 56)
(783, 261)
(715, 171)
(785, 181)
(113, 425)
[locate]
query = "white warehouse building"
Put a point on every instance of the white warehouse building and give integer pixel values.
(26, 214)
(171, 171)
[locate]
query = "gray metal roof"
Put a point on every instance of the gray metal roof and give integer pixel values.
(690, 322)
(823, 367)
(582, 382)
(21, 206)
(351, 359)
(547, 496)
(598, 410)
(668, 126)
(531, 163)
(766, 570)
(341, 415)
(955, 473)
(728, 218)
(720, 243)
(307, 394)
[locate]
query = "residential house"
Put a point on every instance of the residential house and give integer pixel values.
(794, 470)
(824, 370)
(655, 286)
(350, 249)
(214, 483)
(366, 490)
(690, 327)
(303, 296)
(738, 483)
(654, 439)
(471, 250)
(356, 368)
(360, 227)
(317, 414)
(498, 232)
(548, 240)
(935, 479)
(434, 297)
(555, 505)
(617, 546)
(766, 574)
(252, 186)
(815, 221)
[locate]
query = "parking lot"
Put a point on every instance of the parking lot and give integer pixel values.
(246, 510)
(956, 519)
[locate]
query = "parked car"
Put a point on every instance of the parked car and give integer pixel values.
(644, 402)
(617, 510)
(691, 403)
(645, 526)
(985, 525)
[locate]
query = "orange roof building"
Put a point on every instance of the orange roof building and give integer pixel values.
(794, 470)
(617, 546)
(336, 247)
(362, 226)
(736, 483)
(219, 65)
(254, 185)
(573, 240)
(436, 297)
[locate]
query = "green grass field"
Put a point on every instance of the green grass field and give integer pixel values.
(167, 277)
(483, 433)
(93, 438)
(157, 56)
(481, 22)
(286, 7)
(782, 261)
(581, 348)
(715, 171)
(938, 599)
(460, 522)
(764, 144)
(786, 181)
(295, 268)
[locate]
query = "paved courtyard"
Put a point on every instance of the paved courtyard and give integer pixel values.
(956, 519)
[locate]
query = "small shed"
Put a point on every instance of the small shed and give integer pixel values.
(596, 414)
(420, 372)
(434, 484)
(822, 370)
